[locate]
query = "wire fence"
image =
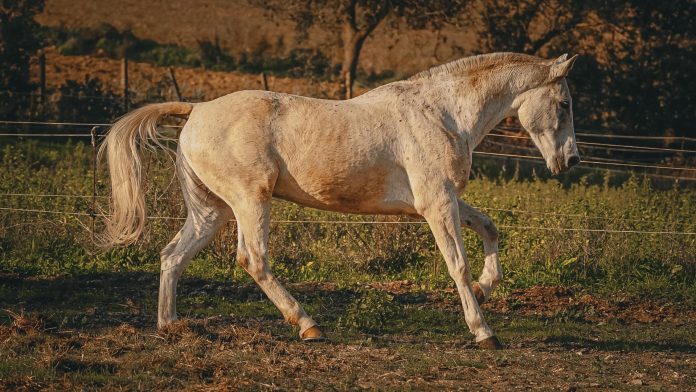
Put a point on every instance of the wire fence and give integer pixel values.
(93, 214)
(485, 208)
(610, 146)
(588, 160)
(350, 222)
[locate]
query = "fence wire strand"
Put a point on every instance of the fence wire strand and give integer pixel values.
(348, 222)
(512, 211)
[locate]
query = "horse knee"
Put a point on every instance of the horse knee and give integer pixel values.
(258, 270)
(490, 229)
(170, 264)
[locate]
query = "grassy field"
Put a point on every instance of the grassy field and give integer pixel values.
(577, 309)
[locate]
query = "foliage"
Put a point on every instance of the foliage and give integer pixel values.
(635, 73)
(352, 21)
(86, 102)
(106, 40)
(18, 42)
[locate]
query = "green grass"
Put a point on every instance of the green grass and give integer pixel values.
(663, 266)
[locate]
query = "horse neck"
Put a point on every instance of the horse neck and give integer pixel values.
(477, 108)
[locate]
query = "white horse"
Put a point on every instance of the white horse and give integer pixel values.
(402, 148)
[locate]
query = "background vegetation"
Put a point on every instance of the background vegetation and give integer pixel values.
(634, 75)
(527, 211)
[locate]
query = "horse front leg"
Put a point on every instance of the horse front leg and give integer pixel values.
(442, 215)
(492, 272)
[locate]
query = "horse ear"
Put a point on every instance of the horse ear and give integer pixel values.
(561, 67)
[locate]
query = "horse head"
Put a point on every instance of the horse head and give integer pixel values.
(546, 113)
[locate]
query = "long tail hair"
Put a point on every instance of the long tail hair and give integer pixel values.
(123, 144)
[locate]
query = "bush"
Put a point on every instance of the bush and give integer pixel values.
(87, 102)
(19, 40)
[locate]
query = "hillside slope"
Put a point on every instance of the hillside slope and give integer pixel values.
(243, 28)
(196, 83)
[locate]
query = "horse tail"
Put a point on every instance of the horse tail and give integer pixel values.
(122, 145)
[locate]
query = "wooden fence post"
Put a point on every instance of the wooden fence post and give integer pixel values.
(124, 81)
(176, 85)
(264, 81)
(349, 86)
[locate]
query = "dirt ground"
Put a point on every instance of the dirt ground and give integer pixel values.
(97, 332)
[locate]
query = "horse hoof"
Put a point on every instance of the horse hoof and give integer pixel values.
(490, 343)
(313, 334)
(480, 297)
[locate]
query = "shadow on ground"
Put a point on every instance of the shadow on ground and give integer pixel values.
(385, 313)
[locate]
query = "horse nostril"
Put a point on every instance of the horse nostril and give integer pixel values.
(573, 160)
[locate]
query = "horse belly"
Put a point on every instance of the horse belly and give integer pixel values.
(378, 189)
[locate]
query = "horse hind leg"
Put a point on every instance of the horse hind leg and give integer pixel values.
(206, 215)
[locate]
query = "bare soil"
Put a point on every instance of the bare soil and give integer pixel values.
(197, 84)
(96, 332)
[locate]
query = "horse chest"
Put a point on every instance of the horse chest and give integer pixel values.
(454, 159)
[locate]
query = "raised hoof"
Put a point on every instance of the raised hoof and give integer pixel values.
(491, 343)
(313, 334)
(478, 293)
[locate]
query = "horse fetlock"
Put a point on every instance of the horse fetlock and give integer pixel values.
(163, 320)
(478, 293)
(293, 315)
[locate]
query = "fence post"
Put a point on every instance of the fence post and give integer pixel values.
(124, 81)
(42, 76)
(176, 85)
(93, 213)
(264, 81)
(349, 86)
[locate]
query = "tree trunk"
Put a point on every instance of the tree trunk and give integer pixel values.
(352, 44)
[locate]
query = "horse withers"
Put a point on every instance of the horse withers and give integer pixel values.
(402, 148)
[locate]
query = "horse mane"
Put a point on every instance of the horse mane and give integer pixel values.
(479, 62)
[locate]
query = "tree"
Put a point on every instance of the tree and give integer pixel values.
(531, 26)
(18, 42)
(649, 73)
(638, 56)
(355, 20)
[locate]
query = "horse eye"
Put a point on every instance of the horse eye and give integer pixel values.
(565, 105)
